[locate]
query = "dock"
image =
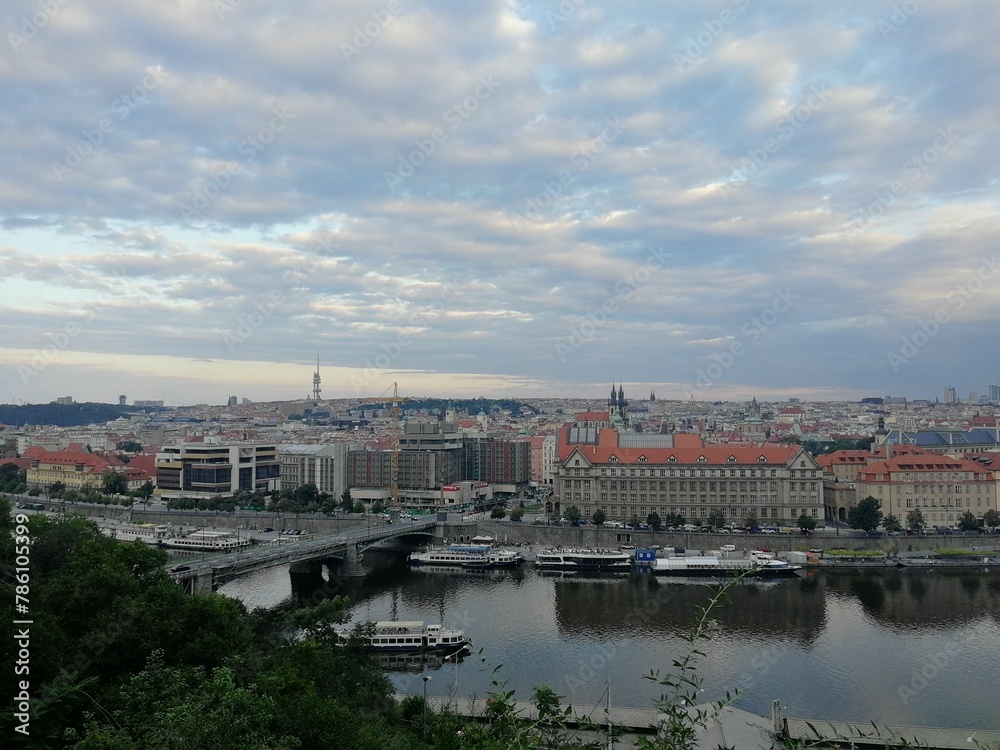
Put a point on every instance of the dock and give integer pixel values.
(734, 727)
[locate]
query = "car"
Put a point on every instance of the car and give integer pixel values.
(268, 529)
(180, 568)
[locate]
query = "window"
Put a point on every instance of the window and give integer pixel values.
(642, 459)
(613, 460)
(761, 460)
(672, 460)
(702, 459)
(731, 460)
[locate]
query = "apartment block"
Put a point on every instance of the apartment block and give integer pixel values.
(202, 470)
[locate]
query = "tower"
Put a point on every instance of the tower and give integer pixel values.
(122, 400)
(618, 408)
(316, 380)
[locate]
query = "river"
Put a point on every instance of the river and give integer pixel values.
(893, 646)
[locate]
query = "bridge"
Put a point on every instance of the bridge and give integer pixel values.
(303, 555)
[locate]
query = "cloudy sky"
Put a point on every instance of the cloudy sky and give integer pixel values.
(716, 198)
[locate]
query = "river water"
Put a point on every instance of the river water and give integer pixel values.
(893, 646)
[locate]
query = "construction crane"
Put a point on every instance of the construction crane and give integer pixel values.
(395, 399)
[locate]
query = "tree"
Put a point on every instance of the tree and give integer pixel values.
(717, 518)
(654, 521)
(991, 519)
(807, 523)
(517, 514)
(346, 501)
(866, 515)
(378, 507)
(130, 446)
(114, 482)
(673, 520)
(498, 512)
(359, 507)
(599, 517)
(915, 521)
(147, 490)
(750, 522)
(57, 489)
(572, 514)
(968, 521)
(891, 523)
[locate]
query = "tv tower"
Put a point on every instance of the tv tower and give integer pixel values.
(316, 379)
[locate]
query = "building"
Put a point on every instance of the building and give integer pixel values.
(943, 488)
(76, 469)
(147, 404)
(634, 474)
(994, 393)
(549, 453)
(203, 470)
(324, 465)
(950, 396)
(951, 442)
(421, 475)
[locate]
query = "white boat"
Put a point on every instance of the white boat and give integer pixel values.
(209, 541)
(583, 559)
(144, 532)
(480, 554)
(756, 563)
(393, 635)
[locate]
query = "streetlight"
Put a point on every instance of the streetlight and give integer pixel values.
(427, 678)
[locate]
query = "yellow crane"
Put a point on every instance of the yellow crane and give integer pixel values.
(395, 399)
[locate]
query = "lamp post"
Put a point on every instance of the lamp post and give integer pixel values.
(427, 678)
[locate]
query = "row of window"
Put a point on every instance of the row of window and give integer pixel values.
(631, 472)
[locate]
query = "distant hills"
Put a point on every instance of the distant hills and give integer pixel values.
(63, 415)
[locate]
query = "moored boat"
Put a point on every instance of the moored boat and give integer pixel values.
(208, 541)
(583, 559)
(755, 563)
(144, 532)
(479, 556)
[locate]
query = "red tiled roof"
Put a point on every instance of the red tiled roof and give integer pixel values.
(593, 416)
(931, 462)
(688, 448)
(95, 463)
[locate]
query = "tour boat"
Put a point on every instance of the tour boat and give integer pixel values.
(583, 559)
(755, 563)
(482, 555)
(398, 635)
(209, 541)
(144, 532)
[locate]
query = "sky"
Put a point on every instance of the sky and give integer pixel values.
(711, 199)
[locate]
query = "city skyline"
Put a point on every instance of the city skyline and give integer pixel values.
(716, 200)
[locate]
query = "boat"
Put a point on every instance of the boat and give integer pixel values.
(756, 563)
(208, 541)
(583, 559)
(482, 556)
(403, 636)
(145, 532)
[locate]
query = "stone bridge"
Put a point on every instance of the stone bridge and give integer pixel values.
(341, 552)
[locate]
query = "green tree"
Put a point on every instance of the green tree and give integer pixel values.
(968, 521)
(891, 523)
(572, 514)
(516, 514)
(346, 501)
(114, 482)
(599, 517)
(654, 521)
(673, 520)
(991, 519)
(866, 515)
(750, 522)
(498, 512)
(359, 507)
(807, 523)
(716, 518)
(57, 489)
(130, 446)
(147, 489)
(378, 507)
(915, 521)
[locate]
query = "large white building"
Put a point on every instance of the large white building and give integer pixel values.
(205, 470)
